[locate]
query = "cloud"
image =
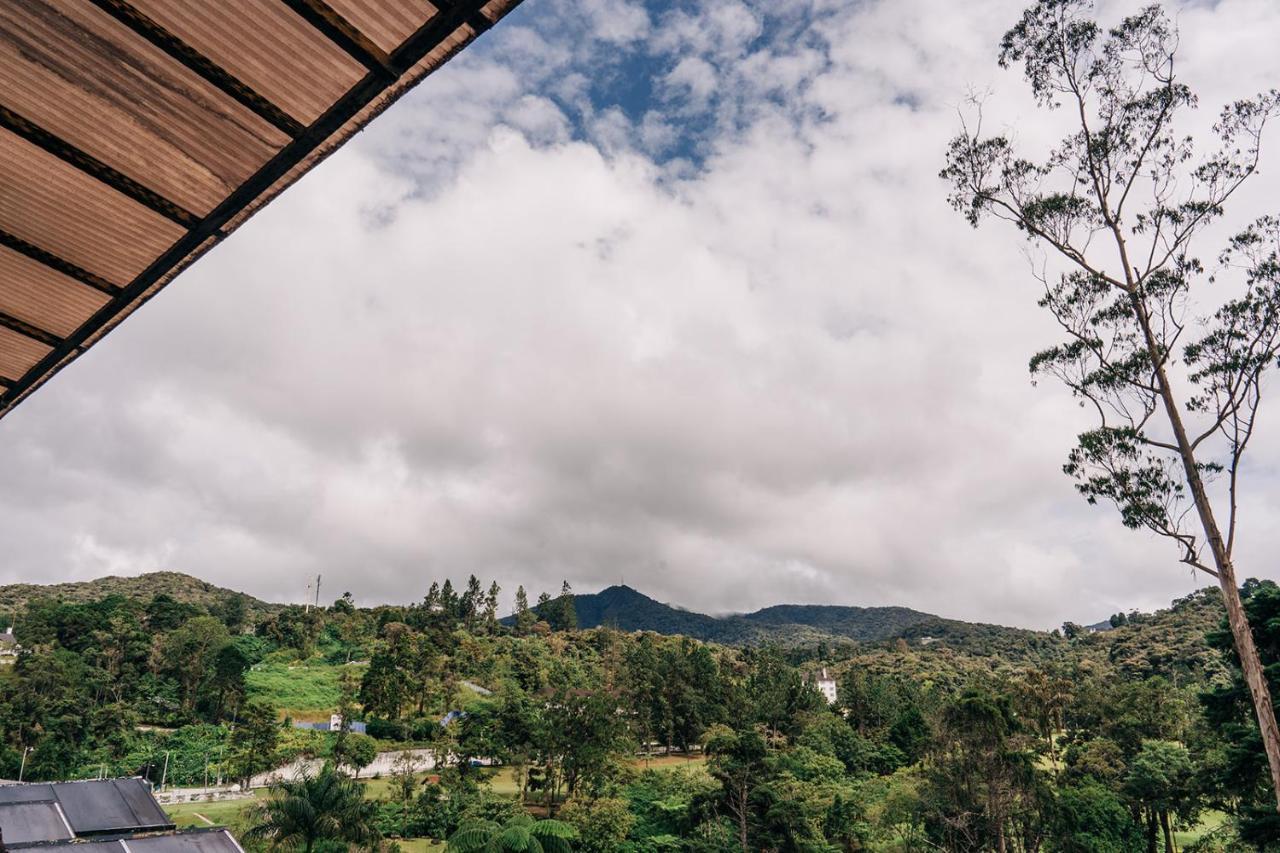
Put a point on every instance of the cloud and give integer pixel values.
(673, 296)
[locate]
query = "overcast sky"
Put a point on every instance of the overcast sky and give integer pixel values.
(667, 292)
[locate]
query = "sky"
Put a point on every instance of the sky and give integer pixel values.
(663, 293)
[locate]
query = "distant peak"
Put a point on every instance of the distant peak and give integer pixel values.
(621, 587)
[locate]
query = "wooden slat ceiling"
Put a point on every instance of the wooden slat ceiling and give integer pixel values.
(136, 135)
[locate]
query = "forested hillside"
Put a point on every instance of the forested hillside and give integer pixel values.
(969, 742)
(175, 585)
(798, 624)
(618, 607)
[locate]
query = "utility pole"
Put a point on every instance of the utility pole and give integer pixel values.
(165, 774)
(23, 768)
(317, 592)
(222, 754)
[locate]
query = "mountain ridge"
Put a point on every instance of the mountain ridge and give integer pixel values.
(628, 609)
(618, 606)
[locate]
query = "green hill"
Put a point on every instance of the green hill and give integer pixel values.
(1169, 642)
(855, 623)
(176, 585)
(624, 608)
(795, 624)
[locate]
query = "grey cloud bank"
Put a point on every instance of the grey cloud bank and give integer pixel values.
(733, 347)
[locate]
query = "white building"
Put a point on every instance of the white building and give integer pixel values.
(9, 646)
(826, 685)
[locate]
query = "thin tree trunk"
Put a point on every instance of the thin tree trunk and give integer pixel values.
(1168, 836)
(1250, 663)
(1151, 831)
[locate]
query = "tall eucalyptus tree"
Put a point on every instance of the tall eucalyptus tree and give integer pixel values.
(1170, 356)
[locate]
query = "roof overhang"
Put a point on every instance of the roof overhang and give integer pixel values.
(134, 136)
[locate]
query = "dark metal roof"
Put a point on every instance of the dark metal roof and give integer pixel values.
(136, 134)
(26, 793)
(187, 841)
(25, 822)
(93, 807)
(113, 805)
(76, 846)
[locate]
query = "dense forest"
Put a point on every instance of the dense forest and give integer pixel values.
(1136, 738)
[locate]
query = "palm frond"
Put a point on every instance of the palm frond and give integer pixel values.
(554, 829)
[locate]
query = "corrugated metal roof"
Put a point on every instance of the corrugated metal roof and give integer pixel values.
(114, 805)
(93, 807)
(23, 823)
(388, 24)
(78, 846)
(187, 841)
(136, 134)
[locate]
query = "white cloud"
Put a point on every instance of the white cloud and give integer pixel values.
(493, 335)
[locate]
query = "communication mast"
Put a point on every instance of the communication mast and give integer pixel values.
(306, 607)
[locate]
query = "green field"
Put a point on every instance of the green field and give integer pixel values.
(226, 813)
(302, 690)
(670, 762)
(420, 845)
(1209, 822)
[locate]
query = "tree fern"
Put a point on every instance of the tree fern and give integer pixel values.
(521, 834)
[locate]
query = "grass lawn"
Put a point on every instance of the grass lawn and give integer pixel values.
(503, 781)
(380, 789)
(226, 813)
(419, 845)
(300, 689)
(1209, 821)
(670, 762)
(377, 789)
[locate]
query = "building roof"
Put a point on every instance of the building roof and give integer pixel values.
(90, 808)
(23, 823)
(136, 134)
(187, 841)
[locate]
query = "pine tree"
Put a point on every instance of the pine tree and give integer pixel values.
(524, 616)
(472, 601)
(448, 600)
(568, 612)
(491, 608)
